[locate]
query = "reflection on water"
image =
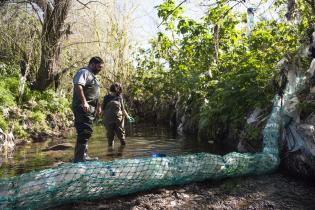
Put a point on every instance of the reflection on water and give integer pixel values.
(142, 141)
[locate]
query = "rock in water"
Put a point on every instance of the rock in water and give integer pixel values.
(56, 147)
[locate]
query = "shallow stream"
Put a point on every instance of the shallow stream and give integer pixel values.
(142, 141)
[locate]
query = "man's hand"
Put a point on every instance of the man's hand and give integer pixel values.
(131, 119)
(86, 107)
(84, 103)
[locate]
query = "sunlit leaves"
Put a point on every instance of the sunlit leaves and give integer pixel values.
(213, 59)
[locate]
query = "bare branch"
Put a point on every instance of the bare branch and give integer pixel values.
(266, 9)
(77, 43)
(43, 4)
(37, 13)
(13, 41)
(171, 12)
(227, 12)
(215, 3)
(85, 4)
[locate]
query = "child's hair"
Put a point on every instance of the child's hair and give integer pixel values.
(116, 88)
(96, 60)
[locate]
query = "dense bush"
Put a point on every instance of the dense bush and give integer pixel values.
(35, 107)
(219, 69)
(3, 124)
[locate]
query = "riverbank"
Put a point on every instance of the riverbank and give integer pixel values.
(274, 191)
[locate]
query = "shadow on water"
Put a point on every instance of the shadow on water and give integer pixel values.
(142, 141)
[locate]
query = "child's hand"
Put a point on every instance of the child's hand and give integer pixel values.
(99, 111)
(131, 119)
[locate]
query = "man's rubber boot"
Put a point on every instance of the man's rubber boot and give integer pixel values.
(79, 152)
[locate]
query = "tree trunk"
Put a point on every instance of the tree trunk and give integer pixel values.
(52, 33)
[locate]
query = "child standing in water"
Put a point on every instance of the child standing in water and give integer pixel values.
(114, 114)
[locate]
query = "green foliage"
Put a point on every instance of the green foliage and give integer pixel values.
(48, 101)
(12, 84)
(19, 132)
(59, 105)
(3, 123)
(35, 105)
(20, 40)
(169, 11)
(8, 89)
(38, 117)
(6, 99)
(218, 71)
(9, 69)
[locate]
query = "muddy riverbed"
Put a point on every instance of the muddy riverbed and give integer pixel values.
(274, 191)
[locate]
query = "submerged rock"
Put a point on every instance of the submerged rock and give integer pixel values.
(63, 146)
(39, 137)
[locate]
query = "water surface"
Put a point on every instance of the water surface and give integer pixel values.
(142, 141)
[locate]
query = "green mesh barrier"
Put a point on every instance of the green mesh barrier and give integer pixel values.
(95, 180)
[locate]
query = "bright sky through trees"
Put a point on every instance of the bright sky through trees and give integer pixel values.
(146, 20)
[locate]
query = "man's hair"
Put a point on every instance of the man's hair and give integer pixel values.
(96, 60)
(116, 88)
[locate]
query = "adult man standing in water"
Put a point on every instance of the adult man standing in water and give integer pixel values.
(85, 105)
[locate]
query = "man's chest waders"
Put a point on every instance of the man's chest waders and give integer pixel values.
(84, 120)
(114, 121)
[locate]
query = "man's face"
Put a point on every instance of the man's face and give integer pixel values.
(97, 67)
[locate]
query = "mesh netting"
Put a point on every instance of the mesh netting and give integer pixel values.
(94, 180)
